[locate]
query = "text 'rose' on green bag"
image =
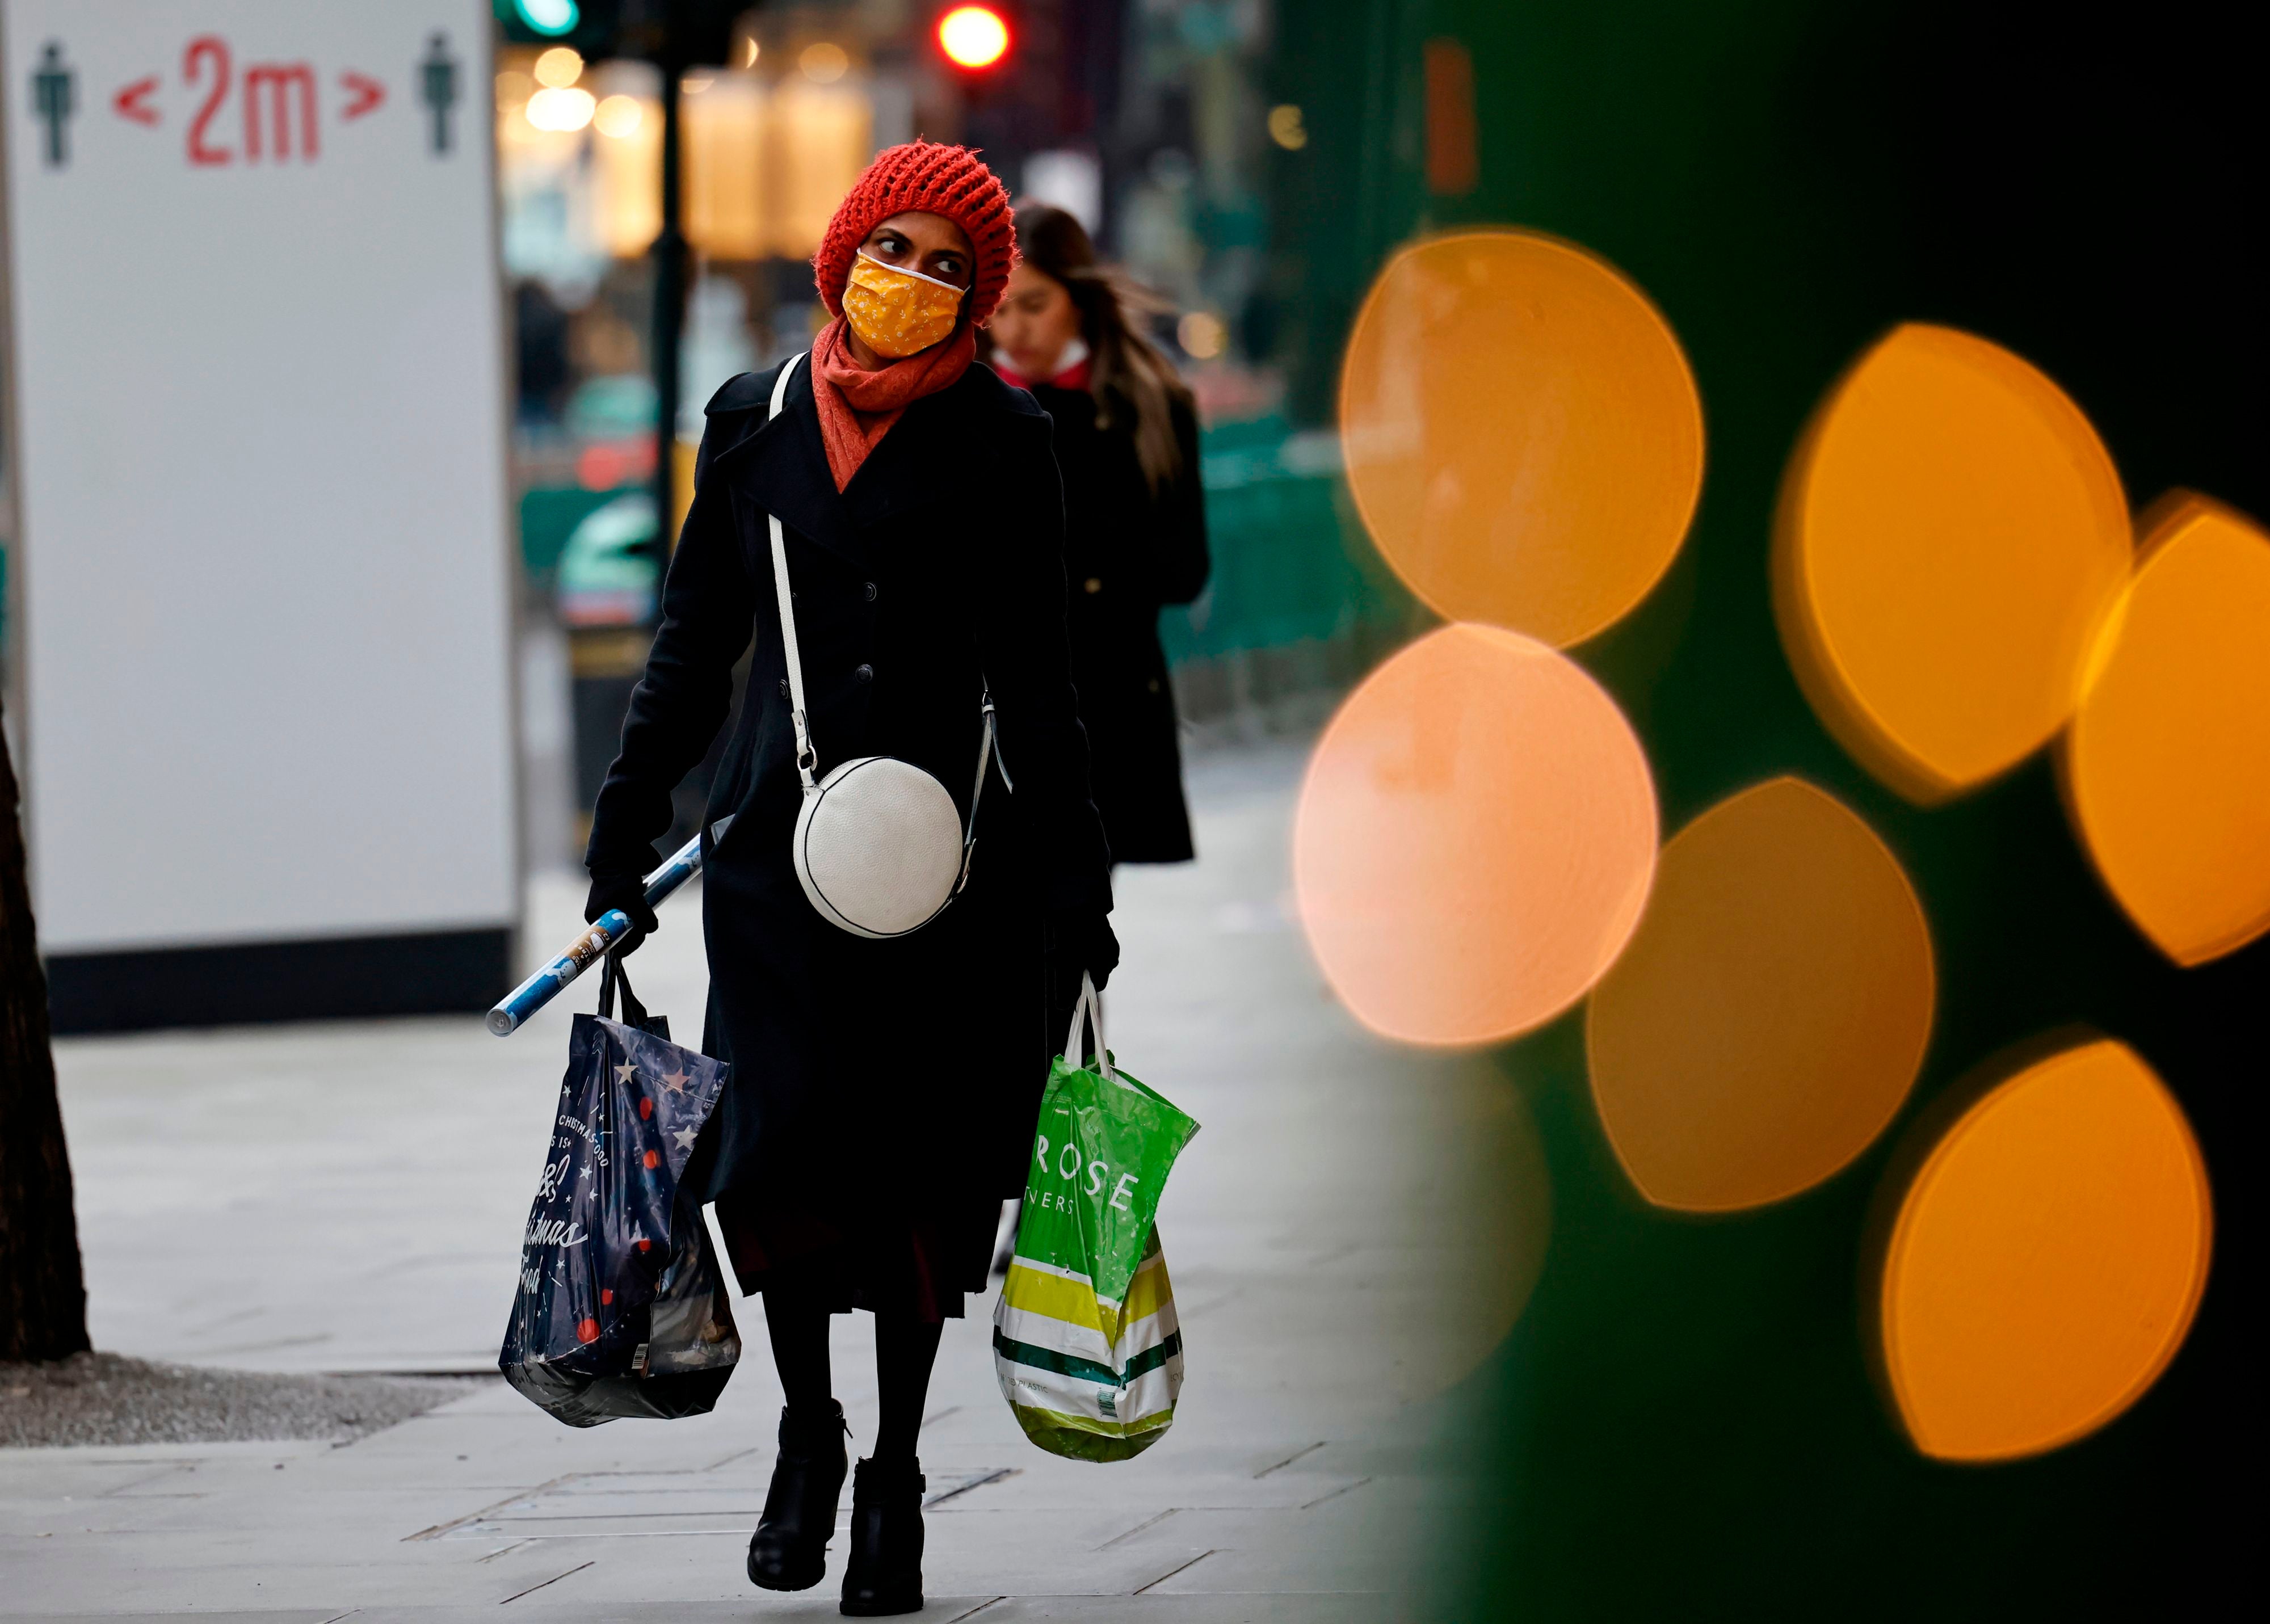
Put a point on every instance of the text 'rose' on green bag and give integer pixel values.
(1085, 1340)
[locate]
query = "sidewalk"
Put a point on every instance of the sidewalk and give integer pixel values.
(1351, 1233)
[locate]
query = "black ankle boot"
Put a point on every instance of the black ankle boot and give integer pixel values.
(884, 1575)
(788, 1551)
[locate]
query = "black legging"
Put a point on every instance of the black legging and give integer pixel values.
(905, 1349)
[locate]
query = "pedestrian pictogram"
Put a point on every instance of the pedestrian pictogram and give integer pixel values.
(437, 79)
(54, 97)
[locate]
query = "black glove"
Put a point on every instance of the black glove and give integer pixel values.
(627, 892)
(1086, 942)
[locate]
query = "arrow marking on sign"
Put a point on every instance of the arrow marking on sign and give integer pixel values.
(368, 94)
(132, 101)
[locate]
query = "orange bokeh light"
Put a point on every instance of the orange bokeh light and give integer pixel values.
(973, 36)
(1951, 534)
(2167, 766)
(2047, 1259)
(1522, 435)
(1474, 839)
(1772, 1010)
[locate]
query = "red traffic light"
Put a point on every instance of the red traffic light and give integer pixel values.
(973, 36)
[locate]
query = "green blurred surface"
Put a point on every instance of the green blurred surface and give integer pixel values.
(1291, 563)
(1684, 1421)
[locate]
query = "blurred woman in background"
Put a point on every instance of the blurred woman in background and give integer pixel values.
(1135, 537)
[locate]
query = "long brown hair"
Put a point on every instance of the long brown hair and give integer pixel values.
(1127, 372)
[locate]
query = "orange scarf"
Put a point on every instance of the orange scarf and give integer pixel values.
(858, 407)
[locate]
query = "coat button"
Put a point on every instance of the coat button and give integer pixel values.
(871, 592)
(1153, 685)
(783, 687)
(865, 673)
(1093, 583)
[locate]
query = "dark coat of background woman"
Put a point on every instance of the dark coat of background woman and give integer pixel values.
(1135, 540)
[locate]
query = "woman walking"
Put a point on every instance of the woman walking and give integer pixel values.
(1127, 441)
(884, 1090)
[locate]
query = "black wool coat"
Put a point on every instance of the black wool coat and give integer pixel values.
(880, 1074)
(1128, 551)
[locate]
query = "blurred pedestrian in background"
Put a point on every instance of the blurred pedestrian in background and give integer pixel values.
(884, 1092)
(1135, 535)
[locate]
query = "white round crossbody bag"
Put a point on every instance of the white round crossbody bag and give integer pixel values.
(879, 848)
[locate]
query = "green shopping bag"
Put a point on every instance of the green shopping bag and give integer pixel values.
(1086, 1343)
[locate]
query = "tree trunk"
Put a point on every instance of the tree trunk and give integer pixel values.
(42, 1293)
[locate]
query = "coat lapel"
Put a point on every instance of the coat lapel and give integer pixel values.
(917, 462)
(781, 468)
(893, 474)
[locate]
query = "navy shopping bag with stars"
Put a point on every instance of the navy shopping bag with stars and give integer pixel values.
(621, 1308)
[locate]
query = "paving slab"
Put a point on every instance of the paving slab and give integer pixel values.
(1351, 1233)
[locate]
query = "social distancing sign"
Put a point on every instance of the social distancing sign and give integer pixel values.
(260, 567)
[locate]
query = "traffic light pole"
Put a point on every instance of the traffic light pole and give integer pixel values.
(670, 265)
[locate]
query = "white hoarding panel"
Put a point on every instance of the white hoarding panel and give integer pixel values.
(257, 434)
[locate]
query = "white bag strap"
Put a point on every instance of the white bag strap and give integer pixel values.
(806, 758)
(1088, 1010)
(984, 759)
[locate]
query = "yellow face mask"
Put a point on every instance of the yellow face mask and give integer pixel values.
(897, 313)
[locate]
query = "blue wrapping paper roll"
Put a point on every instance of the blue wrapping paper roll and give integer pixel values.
(588, 949)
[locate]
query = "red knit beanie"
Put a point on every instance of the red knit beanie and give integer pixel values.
(936, 178)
